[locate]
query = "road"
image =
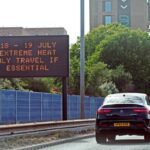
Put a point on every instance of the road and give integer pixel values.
(121, 143)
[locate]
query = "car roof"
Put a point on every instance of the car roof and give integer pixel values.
(142, 95)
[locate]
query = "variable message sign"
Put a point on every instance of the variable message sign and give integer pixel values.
(34, 56)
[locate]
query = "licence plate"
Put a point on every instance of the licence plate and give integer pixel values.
(122, 124)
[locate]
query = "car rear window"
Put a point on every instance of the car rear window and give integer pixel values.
(124, 100)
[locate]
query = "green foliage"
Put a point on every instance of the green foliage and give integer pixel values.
(74, 79)
(5, 84)
(36, 84)
(121, 78)
(108, 88)
(12, 83)
(113, 53)
(130, 49)
(96, 75)
(97, 35)
(32, 84)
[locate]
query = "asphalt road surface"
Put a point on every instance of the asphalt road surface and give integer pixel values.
(121, 143)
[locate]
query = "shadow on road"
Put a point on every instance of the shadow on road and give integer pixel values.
(127, 142)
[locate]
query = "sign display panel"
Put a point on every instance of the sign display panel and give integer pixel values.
(34, 56)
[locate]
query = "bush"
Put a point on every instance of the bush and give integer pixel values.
(108, 88)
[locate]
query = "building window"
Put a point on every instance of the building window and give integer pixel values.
(107, 20)
(107, 6)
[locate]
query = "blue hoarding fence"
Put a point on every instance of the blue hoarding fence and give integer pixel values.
(24, 106)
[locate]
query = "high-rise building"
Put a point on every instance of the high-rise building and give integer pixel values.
(131, 13)
(148, 2)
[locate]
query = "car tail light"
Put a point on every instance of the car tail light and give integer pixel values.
(140, 110)
(104, 111)
(140, 125)
(101, 124)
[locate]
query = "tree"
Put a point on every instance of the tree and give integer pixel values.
(97, 74)
(131, 49)
(74, 79)
(12, 83)
(36, 84)
(94, 38)
(108, 88)
(121, 78)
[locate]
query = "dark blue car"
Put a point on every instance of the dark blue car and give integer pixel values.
(123, 114)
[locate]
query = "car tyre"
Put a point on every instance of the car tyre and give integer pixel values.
(100, 138)
(111, 138)
(147, 137)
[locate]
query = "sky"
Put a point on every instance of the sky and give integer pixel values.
(44, 13)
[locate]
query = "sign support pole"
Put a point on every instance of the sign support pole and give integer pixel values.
(64, 98)
(82, 58)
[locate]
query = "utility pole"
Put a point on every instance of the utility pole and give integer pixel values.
(82, 58)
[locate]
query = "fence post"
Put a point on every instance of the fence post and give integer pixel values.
(29, 106)
(0, 107)
(64, 98)
(16, 106)
(41, 107)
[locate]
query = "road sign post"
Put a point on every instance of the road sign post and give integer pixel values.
(82, 58)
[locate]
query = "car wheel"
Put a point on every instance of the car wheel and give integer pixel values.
(111, 138)
(100, 138)
(147, 137)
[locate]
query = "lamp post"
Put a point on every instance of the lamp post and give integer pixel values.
(82, 58)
